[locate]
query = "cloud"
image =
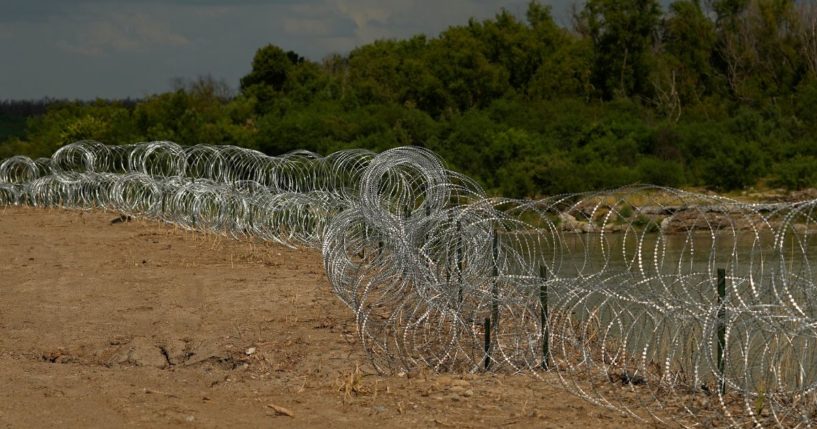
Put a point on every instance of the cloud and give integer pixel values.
(371, 18)
(308, 27)
(88, 48)
(377, 19)
(122, 32)
(31, 11)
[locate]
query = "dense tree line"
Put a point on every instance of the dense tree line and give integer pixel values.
(720, 94)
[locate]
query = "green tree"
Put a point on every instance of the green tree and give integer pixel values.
(688, 38)
(270, 66)
(512, 45)
(722, 97)
(468, 76)
(796, 173)
(390, 71)
(759, 49)
(623, 33)
(110, 123)
(566, 73)
(196, 112)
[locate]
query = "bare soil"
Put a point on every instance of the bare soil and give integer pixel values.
(142, 324)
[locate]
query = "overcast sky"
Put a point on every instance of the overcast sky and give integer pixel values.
(131, 48)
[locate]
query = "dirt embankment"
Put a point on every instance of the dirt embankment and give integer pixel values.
(141, 324)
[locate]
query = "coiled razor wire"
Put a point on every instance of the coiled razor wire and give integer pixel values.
(661, 303)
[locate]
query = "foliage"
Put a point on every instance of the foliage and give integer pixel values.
(797, 173)
(12, 126)
(721, 94)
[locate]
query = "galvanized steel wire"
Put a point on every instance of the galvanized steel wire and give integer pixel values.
(616, 292)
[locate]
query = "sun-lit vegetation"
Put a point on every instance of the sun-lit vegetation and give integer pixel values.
(720, 94)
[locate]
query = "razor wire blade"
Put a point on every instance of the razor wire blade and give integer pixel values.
(661, 303)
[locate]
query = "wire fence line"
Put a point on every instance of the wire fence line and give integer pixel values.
(661, 303)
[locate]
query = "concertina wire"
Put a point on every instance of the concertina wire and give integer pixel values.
(667, 305)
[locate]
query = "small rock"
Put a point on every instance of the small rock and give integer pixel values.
(250, 351)
(614, 227)
(588, 227)
(468, 393)
(568, 222)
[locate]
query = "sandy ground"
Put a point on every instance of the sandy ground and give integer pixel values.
(142, 324)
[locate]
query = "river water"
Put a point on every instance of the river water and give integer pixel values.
(654, 297)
